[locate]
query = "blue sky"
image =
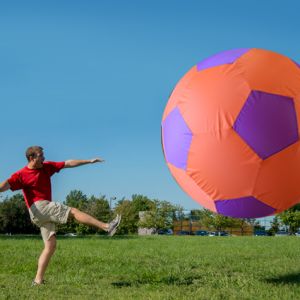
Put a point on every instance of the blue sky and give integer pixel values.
(91, 78)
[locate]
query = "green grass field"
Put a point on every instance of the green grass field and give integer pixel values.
(155, 267)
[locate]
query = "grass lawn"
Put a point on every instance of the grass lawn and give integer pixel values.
(154, 267)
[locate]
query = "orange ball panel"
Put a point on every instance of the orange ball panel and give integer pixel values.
(179, 92)
(223, 165)
(279, 177)
(270, 72)
(191, 188)
(212, 99)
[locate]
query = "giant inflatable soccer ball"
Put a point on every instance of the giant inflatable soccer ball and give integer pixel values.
(230, 133)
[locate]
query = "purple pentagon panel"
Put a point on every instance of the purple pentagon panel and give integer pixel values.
(267, 123)
(225, 57)
(177, 139)
(245, 207)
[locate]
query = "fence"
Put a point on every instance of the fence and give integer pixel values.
(193, 226)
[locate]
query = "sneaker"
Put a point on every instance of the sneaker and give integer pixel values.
(37, 284)
(113, 225)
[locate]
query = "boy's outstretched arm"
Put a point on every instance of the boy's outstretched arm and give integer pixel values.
(79, 162)
(4, 186)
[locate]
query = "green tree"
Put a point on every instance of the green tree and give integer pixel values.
(99, 209)
(129, 209)
(129, 224)
(141, 203)
(291, 218)
(206, 218)
(275, 225)
(77, 199)
(160, 216)
(221, 222)
(243, 224)
(14, 216)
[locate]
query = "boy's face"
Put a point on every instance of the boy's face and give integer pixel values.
(38, 159)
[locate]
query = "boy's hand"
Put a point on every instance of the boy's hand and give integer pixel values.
(95, 160)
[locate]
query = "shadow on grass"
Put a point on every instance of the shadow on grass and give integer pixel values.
(293, 278)
(171, 280)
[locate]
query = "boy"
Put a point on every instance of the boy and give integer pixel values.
(35, 181)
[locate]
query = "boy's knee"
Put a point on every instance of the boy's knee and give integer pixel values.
(74, 211)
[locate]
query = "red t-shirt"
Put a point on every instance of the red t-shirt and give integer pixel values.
(35, 183)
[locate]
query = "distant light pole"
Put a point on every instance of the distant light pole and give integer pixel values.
(110, 202)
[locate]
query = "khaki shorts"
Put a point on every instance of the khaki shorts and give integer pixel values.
(46, 214)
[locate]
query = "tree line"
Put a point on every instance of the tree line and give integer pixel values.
(288, 220)
(14, 216)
